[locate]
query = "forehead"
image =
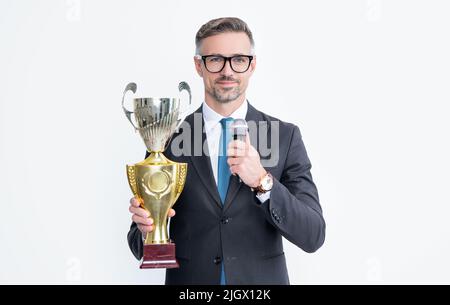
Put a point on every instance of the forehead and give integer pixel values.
(226, 44)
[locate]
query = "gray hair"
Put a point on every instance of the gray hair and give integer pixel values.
(222, 25)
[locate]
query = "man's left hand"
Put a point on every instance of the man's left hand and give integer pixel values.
(244, 161)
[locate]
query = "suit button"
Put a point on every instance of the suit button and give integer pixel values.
(217, 260)
(225, 220)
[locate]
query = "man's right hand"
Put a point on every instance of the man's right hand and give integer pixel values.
(142, 218)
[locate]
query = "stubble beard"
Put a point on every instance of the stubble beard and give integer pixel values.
(226, 95)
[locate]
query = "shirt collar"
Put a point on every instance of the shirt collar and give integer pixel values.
(213, 118)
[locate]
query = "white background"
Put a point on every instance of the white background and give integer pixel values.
(367, 81)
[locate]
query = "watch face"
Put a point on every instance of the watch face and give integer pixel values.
(266, 183)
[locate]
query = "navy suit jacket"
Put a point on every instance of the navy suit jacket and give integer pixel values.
(244, 234)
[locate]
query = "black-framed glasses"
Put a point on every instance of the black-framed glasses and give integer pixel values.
(216, 63)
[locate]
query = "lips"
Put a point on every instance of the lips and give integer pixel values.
(226, 83)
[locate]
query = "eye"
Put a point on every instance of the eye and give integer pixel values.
(240, 59)
(215, 59)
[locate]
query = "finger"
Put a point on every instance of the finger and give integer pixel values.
(237, 144)
(235, 152)
(231, 170)
(145, 229)
(230, 149)
(247, 139)
(134, 202)
(241, 147)
(231, 144)
(139, 211)
(235, 169)
(171, 212)
(248, 145)
(142, 220)
(234, 161)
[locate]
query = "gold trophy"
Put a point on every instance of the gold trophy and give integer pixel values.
(157, 182)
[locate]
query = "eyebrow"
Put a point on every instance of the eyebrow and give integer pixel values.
(235, 54)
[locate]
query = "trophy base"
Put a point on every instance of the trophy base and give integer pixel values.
(159, 256)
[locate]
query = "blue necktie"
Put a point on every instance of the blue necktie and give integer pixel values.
(223, 171)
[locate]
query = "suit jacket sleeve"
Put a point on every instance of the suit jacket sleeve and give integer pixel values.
(293, 207)
(135, 241)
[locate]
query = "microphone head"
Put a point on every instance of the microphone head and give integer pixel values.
(239, 129)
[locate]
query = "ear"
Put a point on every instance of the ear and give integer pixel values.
(198, 66)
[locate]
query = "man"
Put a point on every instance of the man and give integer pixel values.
(233, 211)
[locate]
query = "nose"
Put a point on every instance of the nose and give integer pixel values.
(227, 71)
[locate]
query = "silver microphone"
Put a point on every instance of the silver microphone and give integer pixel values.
(239, 129)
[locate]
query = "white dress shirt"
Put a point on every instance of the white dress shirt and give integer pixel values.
(213, 130)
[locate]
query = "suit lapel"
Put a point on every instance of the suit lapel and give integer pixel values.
(202, 163)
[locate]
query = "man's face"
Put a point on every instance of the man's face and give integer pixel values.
(227, 85)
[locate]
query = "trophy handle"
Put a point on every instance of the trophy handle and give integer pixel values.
(184, 86)
(129, 87)
(131, 175)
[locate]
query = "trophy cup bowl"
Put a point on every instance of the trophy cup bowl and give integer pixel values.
(156, 182)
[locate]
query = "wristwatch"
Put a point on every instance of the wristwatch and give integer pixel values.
(265, 184)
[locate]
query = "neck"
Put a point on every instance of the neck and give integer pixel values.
(224, 109)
